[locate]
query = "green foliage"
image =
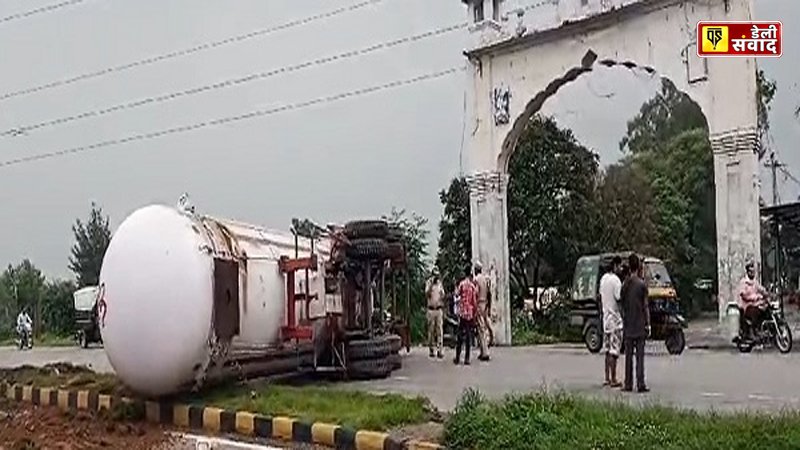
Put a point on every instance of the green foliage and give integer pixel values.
(58, 312)
(455, 240)
(766, 90)
(91, 241)
(24, 286)
(665, 186)
(666, 115)
(561, 421)
(359, 410)
(550, 206)
(415, 238)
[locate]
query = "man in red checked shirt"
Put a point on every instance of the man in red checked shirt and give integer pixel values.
(467, 308)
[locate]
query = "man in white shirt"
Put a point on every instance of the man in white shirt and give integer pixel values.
(610, 289)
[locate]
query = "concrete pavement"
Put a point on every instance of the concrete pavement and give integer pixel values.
(698, 379)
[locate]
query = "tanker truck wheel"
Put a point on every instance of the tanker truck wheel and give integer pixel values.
(359, 229)
(369, 248)
(395, 342)
(396, 361)
(369, 349)
(369, 369)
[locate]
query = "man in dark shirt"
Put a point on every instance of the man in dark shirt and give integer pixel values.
(635, 324)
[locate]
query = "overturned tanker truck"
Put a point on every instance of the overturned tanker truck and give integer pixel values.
(187, 300)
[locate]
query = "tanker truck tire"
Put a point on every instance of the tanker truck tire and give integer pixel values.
(369, 369)
(360, 229)
(369, 349)
(395, 342)
(396, 361)
(368, 248)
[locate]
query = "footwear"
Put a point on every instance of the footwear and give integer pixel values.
(627, 389)
(466, 363)
(643, 389)
(439, 355)
(455, 361)
(484, 358)
(430, 354)
(606, 383)
(615, 384)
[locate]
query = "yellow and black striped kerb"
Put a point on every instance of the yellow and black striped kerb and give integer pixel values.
(217, 420)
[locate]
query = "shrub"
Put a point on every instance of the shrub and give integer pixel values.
(562, 421)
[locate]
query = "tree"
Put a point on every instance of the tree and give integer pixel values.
(23, 287)
(667, 114)
(766, 90)
(627, 212)
(550, 206)
(58, 312)
(91, 242)
(415, 238)
(455, 240)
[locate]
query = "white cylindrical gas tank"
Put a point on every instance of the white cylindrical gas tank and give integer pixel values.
(157, 294)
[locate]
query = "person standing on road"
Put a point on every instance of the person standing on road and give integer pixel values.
(483, 284)
(434, 293)
(635, 324)
(467, 306)
(610, 291)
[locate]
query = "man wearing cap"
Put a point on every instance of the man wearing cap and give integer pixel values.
(483, 284)
(434, 293)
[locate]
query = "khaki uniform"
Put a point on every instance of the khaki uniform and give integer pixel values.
(484, 286)
(435, 295)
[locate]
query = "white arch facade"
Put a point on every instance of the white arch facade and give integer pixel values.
(520, 55)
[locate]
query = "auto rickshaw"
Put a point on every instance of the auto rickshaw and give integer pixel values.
(87, 329)
(667, 322)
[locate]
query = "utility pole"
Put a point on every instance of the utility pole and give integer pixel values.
(774, 164)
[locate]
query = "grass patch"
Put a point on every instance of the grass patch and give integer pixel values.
(355, 409)
(561, 421)
(65, 376)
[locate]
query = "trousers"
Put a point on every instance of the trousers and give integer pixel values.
(435, 337)
(465, 327)
(482, 323)
(634, 348)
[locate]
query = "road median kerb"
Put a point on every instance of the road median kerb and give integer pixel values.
(215, 420)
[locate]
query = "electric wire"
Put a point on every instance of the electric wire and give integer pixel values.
(230, 119)
(237, 81)
(187, 51)
(43, 9)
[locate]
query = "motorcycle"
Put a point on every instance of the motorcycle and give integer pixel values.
(773, 330)
(24, 338)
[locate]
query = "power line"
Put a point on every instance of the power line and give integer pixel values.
(236, 81)
(789, 175)
(230, 119)
(187, 51)
(43, 9)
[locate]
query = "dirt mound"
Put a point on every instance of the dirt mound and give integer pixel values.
(26, 426)
(63, 375)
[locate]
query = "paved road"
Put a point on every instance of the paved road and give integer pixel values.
(699, 379)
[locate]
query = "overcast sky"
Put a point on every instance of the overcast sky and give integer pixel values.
(357, 157)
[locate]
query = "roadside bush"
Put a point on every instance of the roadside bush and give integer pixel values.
(544, 327)
(562, 421)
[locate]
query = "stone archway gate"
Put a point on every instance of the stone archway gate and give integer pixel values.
(514, 70)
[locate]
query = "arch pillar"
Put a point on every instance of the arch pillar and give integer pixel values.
(489, 232)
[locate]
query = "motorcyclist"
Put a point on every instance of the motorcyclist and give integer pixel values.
(24, 323)
(752, 299)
